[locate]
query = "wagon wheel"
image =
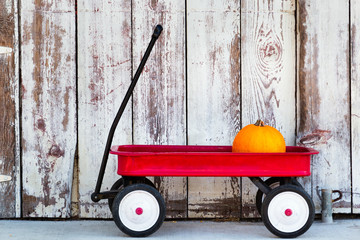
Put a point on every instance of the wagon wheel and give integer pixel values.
(138, 210)
(272, 182)
(120, 184)
(288, 211)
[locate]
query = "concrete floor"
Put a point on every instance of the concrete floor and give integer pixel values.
(181, 230)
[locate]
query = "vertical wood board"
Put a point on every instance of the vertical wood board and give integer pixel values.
(324, 96)
(213, 89)
(355, 102)
(104, 74)
(268, 76)
(9, 100)
(48, 97)
(159, 114)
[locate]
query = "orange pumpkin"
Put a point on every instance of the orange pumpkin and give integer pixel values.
(259, 138)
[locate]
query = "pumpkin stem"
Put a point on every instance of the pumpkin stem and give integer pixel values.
(259, 123)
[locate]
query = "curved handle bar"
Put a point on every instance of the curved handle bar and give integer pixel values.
(96, 196)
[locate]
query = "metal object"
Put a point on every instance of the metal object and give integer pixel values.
(4, 178)
(197, 161)
(96, 195)
(326, 204)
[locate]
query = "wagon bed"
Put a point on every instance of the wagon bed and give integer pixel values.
(202, 161)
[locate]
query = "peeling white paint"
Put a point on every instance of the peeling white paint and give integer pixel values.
(355, 103)
(49, 134)
(105, 47)
(213, 95)
(325, 70)
(5, 50)
(106, 43)
(4, 178)
(268, 73)
(160, 118)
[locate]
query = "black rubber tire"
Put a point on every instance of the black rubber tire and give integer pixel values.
(272, 183)
(300, 192)
(139, 187)
(120, 184)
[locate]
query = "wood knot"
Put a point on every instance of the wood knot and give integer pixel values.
(56, 151)
(316, 137)
(40, 124)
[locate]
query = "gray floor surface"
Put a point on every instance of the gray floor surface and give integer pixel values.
(181, 230)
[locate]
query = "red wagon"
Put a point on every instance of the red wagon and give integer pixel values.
(139, 209)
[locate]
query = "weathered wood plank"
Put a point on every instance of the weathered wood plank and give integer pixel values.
(104, 73)
(9, 100)
(213, 55)
(48, 95)
(324, 116)
(355, 101)
(268, 77)
(159, 99)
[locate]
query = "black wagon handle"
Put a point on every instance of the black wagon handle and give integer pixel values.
(96, 196)
(157, 31)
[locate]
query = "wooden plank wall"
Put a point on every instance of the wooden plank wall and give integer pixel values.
(104, 73)
(48, 106)
(213, 98)
(268, 76)
(159, 111)
(355, 102)
(9, 109)
(324, 96)
(65, 66)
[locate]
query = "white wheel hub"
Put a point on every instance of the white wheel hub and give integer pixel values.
(139, 210)
(288, 212)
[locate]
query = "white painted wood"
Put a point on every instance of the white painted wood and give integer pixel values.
(159, 98)
(5, 50)
(268, 57)
(355, 102)
(324, 117)
(268, 77)
(5, 178)
(10, 205)
(306, 182)
(104, 74)
(16, 88)
(213, 64)
(112, 36)
(48, 98)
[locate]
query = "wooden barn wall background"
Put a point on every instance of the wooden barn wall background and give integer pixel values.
(219, 65)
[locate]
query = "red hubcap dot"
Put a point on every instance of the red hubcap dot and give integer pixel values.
(139, 211)
(288, 212)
